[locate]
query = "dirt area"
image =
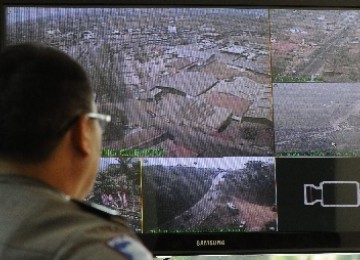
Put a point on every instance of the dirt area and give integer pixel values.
(249, 218)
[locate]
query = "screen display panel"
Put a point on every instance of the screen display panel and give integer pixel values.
(225, 121)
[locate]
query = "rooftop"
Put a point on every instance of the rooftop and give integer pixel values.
(191, 83)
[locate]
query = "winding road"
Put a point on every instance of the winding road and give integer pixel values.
(195, 215)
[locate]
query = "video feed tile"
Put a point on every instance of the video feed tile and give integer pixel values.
(117, 186)
(317, 119)
(181, 81)
(315, 45)
(185, 195)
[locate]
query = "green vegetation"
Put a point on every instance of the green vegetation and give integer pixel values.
(296, 79)
(317, 154)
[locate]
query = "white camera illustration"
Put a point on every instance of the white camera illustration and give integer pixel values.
(333, 194)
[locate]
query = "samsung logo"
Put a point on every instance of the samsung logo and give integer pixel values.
(210, 242)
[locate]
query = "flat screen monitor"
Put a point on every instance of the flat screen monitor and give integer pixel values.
(236, 126)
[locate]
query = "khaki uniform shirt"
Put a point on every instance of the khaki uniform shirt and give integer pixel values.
(38, 222)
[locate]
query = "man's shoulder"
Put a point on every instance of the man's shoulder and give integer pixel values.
(82, 216)
(52, 224)
(97, 210)
(102, 232)
(96, 214)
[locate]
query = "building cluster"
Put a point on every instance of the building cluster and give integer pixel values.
(192, 99)
(187, 89)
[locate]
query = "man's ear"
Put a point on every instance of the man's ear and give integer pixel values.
(81, 135)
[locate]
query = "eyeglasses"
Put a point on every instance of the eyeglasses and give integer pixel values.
(102, 118)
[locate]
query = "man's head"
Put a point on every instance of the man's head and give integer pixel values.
(42, 91)
(45, 97)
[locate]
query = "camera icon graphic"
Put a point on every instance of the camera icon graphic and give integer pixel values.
(332, 194)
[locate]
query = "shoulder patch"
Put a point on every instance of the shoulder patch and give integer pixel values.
(129, 248)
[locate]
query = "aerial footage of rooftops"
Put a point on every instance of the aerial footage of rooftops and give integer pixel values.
(177, 82)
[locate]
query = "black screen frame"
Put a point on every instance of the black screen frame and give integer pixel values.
(234, 243)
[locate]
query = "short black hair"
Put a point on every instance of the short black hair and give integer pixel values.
(42, 91)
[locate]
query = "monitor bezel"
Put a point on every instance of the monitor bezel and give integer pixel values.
(233, 243)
